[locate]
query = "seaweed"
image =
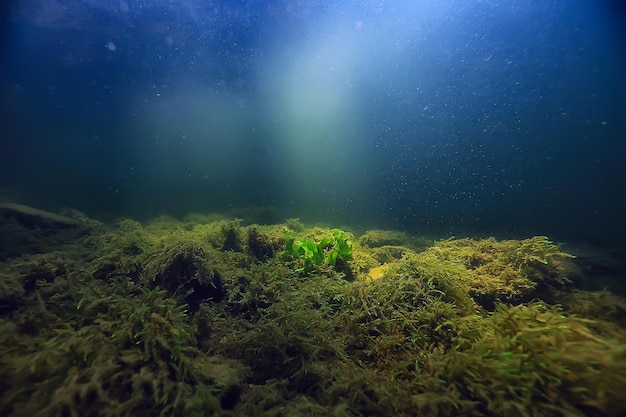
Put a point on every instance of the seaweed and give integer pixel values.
(128, 356)
(215, 318)
(311, 254)
(511, 271)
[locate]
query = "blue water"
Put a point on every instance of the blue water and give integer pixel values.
(502, 118)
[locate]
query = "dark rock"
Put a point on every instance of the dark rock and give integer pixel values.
(26, 230)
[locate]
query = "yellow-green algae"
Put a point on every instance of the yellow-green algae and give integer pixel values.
(203, 317)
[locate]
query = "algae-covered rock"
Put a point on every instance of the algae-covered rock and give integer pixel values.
(385, 254)
(603, 306)
(511, 271)
(124, 355)
(377, 238)
(26, 230)
(264, 242)
(11, 292)
(187, 271)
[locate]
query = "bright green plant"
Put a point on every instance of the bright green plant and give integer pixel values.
(312, 255)
(341, 247)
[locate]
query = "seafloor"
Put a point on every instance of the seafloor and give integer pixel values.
(214, 316)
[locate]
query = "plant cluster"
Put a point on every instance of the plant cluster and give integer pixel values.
(312, 254)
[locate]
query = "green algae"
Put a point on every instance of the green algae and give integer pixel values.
(311, 254)
(205, 317)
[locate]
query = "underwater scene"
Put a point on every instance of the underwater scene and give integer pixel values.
(313, 208)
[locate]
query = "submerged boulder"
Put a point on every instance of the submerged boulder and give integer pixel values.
(27, 230)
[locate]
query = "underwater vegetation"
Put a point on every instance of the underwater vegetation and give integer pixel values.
(311, 254)
(209, 316)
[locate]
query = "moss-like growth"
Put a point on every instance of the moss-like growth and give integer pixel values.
(264, 242)
(534, 357)
(186, 271)
(295, 225)
(387, 254)
(128, 356)
(604, 307)
(446, 278)
(206, 317)
(232, 236)
(511, 271)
